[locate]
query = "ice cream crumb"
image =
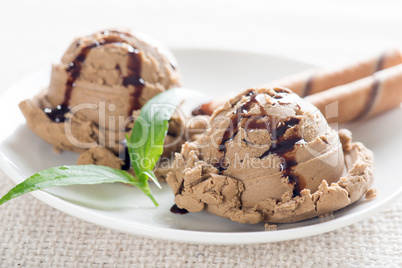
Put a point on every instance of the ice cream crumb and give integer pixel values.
(326, 217)
(270, 227)
(371, 194)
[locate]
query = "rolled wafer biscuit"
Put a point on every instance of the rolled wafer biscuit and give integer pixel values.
(314, 81)
(363, 98)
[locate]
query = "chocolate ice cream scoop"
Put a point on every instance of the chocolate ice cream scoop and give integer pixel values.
(102, 80)
(116, 71)
(268, 155)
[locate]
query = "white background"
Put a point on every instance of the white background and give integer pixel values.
(35, 33)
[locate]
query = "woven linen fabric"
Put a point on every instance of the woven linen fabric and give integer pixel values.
(33, 234)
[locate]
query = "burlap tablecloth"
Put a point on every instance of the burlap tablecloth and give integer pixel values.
(33, 234)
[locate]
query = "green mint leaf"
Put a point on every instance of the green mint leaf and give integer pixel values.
(145, 145)
(151, 175)
(145, 148)
(70, 175)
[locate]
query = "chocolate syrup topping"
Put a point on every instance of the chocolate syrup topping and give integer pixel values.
(133, 65)
(284, 148)
(74, 70)
(282, 90)
(134, 78)
(57, 114)
(204, 109)
(237, 117)
(125, 156)
(255, 122)
(75, 67)
(281, 146)
(176, 210)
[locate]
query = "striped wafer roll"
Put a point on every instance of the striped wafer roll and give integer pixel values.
(363, 98)
(315, 81)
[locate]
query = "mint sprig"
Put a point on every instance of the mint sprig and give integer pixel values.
(69, 175)
(145, 147)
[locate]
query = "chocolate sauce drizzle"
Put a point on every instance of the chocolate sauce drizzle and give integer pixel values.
(133, 66)
(237, 117)
(176, 210)
(125, 156)
(281, 146)
(204, 109)
(57, 114)
(134, 78)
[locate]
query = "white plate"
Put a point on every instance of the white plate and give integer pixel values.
(125, 209)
